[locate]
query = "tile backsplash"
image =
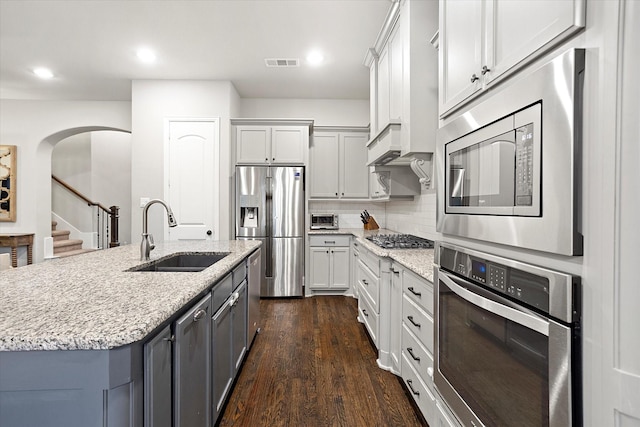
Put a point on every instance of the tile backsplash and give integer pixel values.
(417, 217)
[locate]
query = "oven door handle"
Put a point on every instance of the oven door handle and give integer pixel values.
(527, 320)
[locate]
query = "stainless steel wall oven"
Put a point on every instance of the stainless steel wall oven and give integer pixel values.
(508, 346)
(511, 165)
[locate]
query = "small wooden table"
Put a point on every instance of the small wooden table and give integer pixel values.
(15, 240)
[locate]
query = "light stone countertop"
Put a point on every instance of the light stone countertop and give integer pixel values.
(420, 261)
(90, 301)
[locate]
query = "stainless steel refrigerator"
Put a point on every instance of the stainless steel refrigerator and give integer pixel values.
(270, 208)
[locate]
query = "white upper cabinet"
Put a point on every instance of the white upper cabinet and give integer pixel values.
(483, 41)
(460, 51)
(403, 76)
(270, 141)
(337, 161)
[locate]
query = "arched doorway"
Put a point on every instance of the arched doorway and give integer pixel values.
(98, 166)
(42, 176)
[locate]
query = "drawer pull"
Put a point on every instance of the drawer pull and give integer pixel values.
(417, 325)
(326, 242)
(199, 315)
(410, 351)
(365, 312)
(412, 290)
(410, 384)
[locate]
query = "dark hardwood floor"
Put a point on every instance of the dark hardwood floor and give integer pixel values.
(313, 365)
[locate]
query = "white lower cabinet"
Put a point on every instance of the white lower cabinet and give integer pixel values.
(417, 338)
(420, 392)
(329, 263)
(368, 316)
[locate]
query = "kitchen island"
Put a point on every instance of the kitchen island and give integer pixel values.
(73, 330)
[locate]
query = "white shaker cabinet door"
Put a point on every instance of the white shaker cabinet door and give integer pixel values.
(461, 36)
(324, 157)
(253, 144)
(340, 267)
(355, 175)
(288, 143)
(518, 29)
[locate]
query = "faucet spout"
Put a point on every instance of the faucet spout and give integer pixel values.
(147, 239)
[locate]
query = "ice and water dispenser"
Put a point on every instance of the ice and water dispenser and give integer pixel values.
(249, 211)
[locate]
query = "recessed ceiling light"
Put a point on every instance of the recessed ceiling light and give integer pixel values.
(43, 73)
(315, 58)
(146, 55)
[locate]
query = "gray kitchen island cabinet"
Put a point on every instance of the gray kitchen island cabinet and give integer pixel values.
(229, 332)
(158, 368)
(192, 364)
(131, 354)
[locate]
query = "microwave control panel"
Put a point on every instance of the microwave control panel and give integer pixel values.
(524, 165)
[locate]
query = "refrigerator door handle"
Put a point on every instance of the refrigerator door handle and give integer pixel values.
(268, 223)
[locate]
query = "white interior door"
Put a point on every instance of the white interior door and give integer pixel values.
(192, 163)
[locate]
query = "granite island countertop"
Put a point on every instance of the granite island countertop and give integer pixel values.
(420, 261)
(91, 301)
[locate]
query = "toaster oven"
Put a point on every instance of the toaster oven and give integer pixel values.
(324, 221)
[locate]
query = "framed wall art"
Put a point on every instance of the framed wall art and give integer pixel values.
(8, 176)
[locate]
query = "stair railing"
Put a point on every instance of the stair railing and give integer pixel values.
(107, 231)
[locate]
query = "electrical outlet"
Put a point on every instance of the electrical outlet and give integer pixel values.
(144, 201)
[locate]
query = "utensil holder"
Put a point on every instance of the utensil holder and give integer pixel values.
(371, 224)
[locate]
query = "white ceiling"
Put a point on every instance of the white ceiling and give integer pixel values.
(90, 45)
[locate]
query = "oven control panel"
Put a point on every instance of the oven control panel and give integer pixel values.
(518, 284)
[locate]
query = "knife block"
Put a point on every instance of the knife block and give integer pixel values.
(371, 224)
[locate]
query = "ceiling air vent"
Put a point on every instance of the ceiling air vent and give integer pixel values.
(279, 62)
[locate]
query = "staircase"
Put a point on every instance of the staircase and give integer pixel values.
(62, 245)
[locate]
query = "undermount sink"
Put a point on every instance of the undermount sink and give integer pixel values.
(183, 262)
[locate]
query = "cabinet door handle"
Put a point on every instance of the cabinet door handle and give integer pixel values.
(199, 315)
(485, 70)
(365, 282)
(266, 159)
(417, 325)
(410, 351)
(365, 312)
(474, 78)
(394, 271)
(411, 289)
(172, 338)
(410, 384)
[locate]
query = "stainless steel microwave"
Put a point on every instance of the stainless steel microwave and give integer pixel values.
(324, 221)
(510, 167)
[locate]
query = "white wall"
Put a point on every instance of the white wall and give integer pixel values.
(35, 127)
(153, 101)
(111, 176)
(324, 112)
(71, 162)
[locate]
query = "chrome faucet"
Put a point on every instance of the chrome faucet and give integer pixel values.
(147, 239)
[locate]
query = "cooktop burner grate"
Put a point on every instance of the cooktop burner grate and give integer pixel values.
(400, 241)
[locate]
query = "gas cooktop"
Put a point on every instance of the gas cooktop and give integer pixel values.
(400, 241)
